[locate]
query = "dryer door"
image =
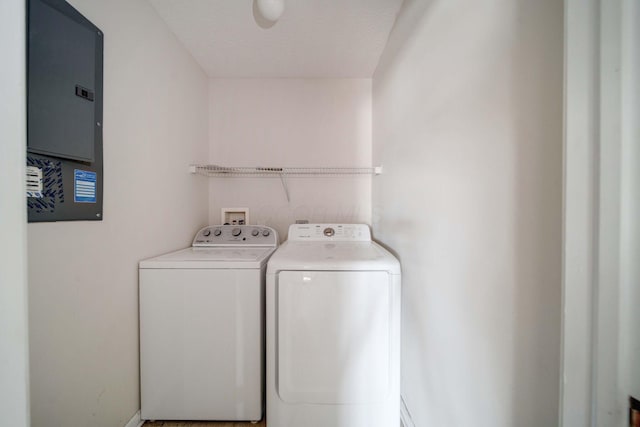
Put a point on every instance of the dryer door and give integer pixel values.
(333, 336)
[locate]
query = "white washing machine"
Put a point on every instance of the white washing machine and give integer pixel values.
(201, 327)
(333, 330)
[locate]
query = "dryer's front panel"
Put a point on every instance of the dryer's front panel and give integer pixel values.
(333, 337)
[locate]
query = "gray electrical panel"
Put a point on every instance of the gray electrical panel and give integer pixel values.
(64, 114)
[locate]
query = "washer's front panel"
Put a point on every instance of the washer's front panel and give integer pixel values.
(333, 344)
(201, 344)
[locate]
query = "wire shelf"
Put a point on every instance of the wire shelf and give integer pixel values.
(278, 172)
(229, 172)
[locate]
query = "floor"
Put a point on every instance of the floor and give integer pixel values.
(202, 424)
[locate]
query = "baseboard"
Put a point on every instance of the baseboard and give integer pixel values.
(405, 415)
(135, 421)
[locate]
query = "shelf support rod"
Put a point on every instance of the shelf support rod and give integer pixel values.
(284, 186)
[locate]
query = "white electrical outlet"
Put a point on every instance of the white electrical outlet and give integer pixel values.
(234, 216)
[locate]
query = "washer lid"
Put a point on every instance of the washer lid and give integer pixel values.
(211, 257)
(338, 256)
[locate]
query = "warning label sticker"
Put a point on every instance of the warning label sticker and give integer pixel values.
(84, 186)
(34, 182)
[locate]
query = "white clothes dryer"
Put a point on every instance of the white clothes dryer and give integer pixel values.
(333, 330)
(201, 327)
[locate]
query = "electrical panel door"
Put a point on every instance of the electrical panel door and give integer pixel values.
(64, 121)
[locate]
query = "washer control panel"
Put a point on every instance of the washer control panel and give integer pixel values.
(236, 235)
(330, 232)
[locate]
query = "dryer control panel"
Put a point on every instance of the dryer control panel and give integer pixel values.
(330, 232)
(236, 235)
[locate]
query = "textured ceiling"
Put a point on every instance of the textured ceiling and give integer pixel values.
(313, 38)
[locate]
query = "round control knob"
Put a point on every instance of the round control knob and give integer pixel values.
(266, 233)
(236, 232)
(255, 232)
(329, 231)
(207, 233)
(217, 232)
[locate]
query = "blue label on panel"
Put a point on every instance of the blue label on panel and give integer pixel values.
(84, 185)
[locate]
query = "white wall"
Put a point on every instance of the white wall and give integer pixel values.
(83, 295)
(467, 123)
(294, 123)
(14, 358)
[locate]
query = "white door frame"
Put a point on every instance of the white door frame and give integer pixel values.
(14, 357)
(599, 41)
